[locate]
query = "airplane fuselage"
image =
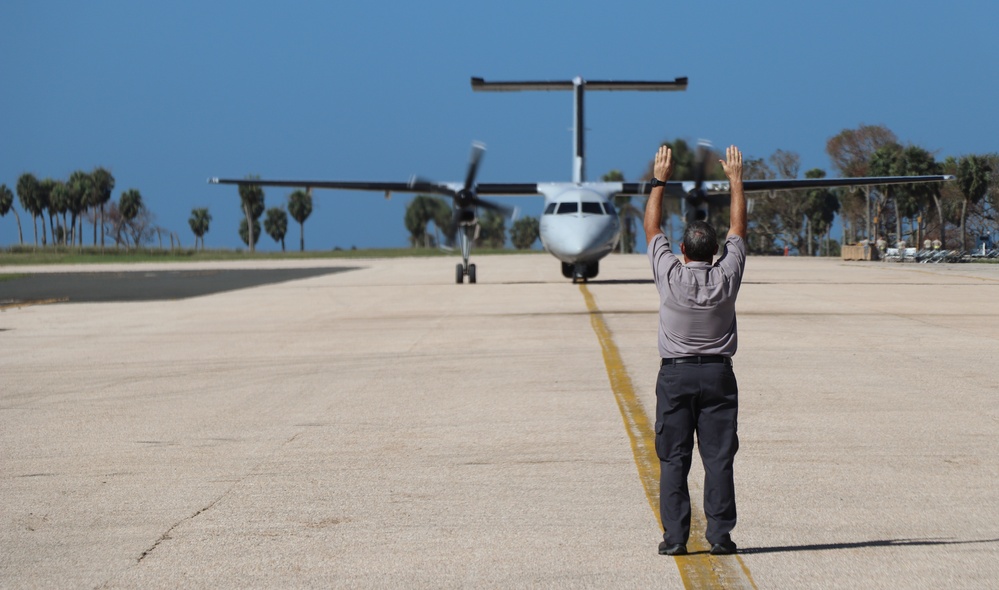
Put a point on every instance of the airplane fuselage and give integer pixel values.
(579, 224)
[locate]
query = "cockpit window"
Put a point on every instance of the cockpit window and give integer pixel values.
(550, 208)
(610, 208)
(567, 207)
(592, 207)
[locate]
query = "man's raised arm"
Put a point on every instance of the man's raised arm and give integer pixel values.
(737, 209)
(661, 172)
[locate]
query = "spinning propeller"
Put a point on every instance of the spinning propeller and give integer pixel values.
(697, 198)
(465, 198)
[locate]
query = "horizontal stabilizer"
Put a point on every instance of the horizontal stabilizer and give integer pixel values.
(479, 84)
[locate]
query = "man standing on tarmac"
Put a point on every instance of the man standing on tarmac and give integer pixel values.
(696, 390)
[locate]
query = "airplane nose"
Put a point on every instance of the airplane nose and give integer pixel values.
(574, 245)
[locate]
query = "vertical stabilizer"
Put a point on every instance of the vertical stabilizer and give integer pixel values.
(579, 87)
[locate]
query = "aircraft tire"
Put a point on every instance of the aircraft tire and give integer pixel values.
(567, 270)
(459, 274)
(471, 274)
(592, 269)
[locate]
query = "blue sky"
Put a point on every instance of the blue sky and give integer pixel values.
(167, 94)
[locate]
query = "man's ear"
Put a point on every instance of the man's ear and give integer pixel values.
(716, 250)
(683, 250)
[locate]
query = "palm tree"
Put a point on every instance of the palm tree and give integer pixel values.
(245, 235)
(27, 194)
(422, 210)
(200, 218)
(129, 205)
(44, 198)
(7, 204)
(276, 224)
(973, 180)
(524, 232)
(300, 207)
(101, 186)
(251, 198)
(81, 185)
(59, 198)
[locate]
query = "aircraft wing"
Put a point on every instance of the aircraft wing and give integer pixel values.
(413, 186)
(721, 187)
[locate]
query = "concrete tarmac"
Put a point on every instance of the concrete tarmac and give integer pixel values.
(386, 427)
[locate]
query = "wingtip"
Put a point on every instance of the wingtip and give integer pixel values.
(213, 180)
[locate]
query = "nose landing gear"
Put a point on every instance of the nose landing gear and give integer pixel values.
(581, 271)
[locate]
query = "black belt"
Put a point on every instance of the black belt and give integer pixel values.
(697, 360)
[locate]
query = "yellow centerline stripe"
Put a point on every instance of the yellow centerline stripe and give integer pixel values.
(700, 569)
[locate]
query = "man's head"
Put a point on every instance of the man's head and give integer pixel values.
(700, 241)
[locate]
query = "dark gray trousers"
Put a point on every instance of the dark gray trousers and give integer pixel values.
(701, 399)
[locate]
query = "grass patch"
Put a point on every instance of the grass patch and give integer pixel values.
(19, 255)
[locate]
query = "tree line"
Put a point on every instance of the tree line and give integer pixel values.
(953, 213)
(84, 197)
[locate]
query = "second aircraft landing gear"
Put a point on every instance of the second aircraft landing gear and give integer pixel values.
(460, 271)
(581, 271)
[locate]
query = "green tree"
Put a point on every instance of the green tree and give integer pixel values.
(887, 160)
(60, 196)
(245, 235)
(821, 206)
(422, 210)
(973, 180)
(129, 205)
(80, 188)
(276, 224)
(6, 205)
(44, 197)
(300, 207)
(764, 225)
(101, 187)
(27, 194)
(199, 222)
(850, 152)
(524, 232)
(492, 229)
(916, 198)
(251, 197)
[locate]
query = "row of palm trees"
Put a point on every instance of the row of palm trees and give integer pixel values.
(252, 204)
(65, 202)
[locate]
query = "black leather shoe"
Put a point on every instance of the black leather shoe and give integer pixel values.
(672, 549)
(723, 548)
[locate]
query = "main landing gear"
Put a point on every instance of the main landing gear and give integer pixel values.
(581, 271)
(461, 271)
(469, 230)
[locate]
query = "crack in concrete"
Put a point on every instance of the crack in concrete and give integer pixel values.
(166, 535)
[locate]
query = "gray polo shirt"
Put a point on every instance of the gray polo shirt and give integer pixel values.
(697, 300)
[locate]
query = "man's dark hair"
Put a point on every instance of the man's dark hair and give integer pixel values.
(700, 241)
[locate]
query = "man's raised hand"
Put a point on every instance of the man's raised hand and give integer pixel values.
(732, 163)
(663, 167)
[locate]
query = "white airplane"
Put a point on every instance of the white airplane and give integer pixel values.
(579, 225)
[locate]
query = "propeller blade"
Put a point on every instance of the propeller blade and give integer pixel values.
(424, 185)
(506, 211)
(702, 160)
(478, 149)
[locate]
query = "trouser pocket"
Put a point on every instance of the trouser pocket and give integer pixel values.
(660, 450)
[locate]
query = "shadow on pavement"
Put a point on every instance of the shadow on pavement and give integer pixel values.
(90, 287)
(861, 545)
